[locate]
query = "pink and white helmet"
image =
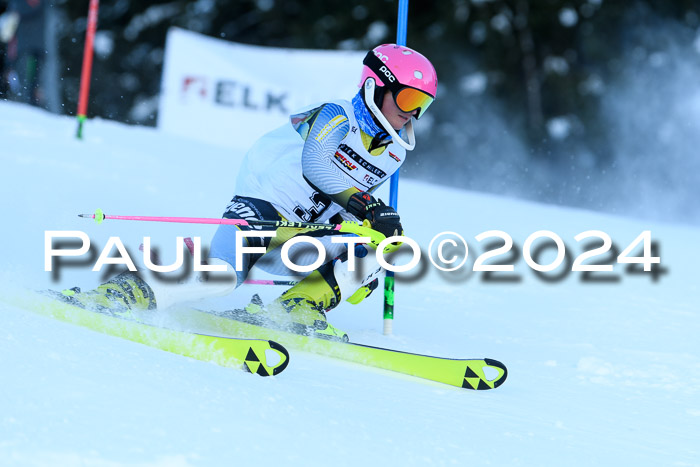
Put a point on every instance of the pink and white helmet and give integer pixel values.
(406, 73)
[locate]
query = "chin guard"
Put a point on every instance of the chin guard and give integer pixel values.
(369, 101)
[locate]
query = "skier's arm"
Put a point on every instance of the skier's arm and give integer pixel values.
(344, 196)
(329, 128)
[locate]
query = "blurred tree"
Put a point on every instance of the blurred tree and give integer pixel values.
(523, 83)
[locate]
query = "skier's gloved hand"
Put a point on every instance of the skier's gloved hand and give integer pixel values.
(383, 218)
(360, 203)
(386, 220)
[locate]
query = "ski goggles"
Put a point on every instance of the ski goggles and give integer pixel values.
(407, 98)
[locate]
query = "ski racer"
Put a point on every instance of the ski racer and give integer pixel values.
(322, 166)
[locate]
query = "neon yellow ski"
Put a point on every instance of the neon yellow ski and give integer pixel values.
(478, 374)
(247, 354)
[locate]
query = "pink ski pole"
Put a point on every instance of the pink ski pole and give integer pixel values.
(99, 216)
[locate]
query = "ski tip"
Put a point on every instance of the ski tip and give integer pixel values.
(259, 363)
(496, 364)
(284, 357)
(476, 378)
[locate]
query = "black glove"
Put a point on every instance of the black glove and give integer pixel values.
(383, 218)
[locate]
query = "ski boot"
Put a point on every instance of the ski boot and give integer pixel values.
(305, 316)
(119, 296)
(302, 309)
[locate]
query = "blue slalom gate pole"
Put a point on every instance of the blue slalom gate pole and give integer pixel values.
(401, 27)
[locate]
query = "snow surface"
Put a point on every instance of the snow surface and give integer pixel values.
(599, 373)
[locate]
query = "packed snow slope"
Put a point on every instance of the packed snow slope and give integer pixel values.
(600, 373)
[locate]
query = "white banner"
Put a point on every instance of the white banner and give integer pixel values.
(230, 94)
